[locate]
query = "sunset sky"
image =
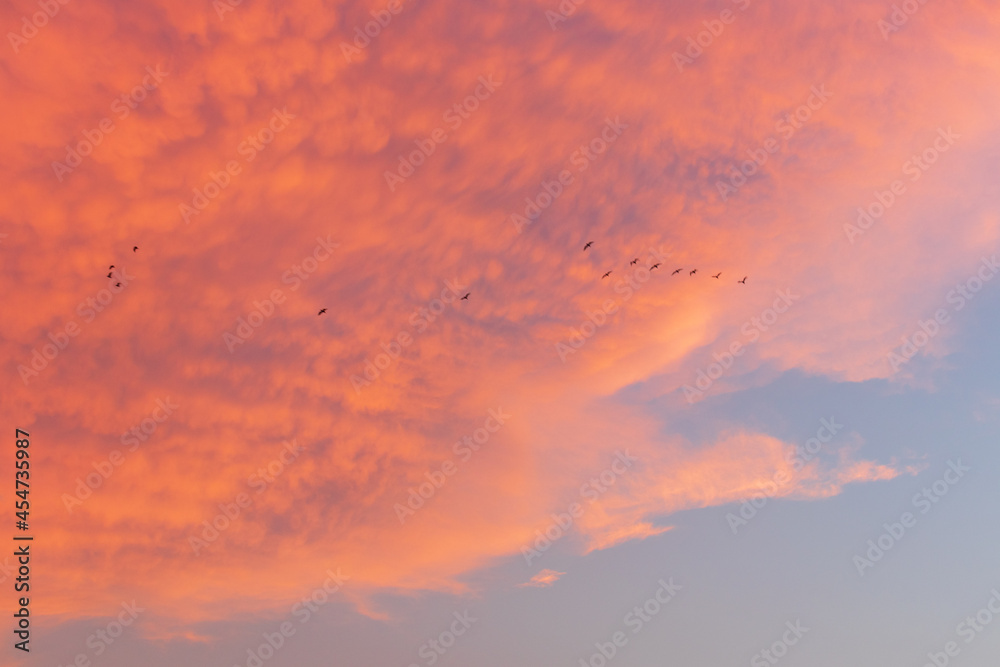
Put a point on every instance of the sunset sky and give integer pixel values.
(797, 468)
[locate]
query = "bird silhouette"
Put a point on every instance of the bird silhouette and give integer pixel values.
(109, 275)
(634, 261)
(676, 272)
(717, 274)
(323, 310)
(134, 248)
(589, 243)
(118, 284)
(654, 266)
(693, 272)
(744, 281)
(605, 275)
(111, 267)
(466, 297)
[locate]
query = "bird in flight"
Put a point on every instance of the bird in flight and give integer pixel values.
(466, 297)
(118, 284)
(744, 281)
(717, 275)
(111, 267)
(676, 272)
(589, 243)
(693, 272)
(634, 261)
(605, 275)
(654, 266)
(109, 275)
(321, 312)
(134, 248)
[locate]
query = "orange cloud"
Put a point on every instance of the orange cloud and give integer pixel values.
(655, 187)
(543, 579)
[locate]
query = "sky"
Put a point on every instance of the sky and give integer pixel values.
(308, 321)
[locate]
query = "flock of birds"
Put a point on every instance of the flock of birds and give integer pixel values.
(586, 247)
(111, 269)
(635, 261)
(468, 294)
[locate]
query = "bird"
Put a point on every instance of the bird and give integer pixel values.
(118, 284)
(717, 274)
(634, 261)
(109, 274)
(676, 272)
(693, 272)
(134, 248)
(744, 281)
(605, 275)
(111, 267)
(323, 310)
(466, 297)
(589, 243)
(654, 266)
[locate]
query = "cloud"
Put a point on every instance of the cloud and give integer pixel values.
(543, 579)
(655, 186)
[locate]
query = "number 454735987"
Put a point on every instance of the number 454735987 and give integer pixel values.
(22, 473)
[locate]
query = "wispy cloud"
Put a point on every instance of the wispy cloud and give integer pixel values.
(543, 579)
